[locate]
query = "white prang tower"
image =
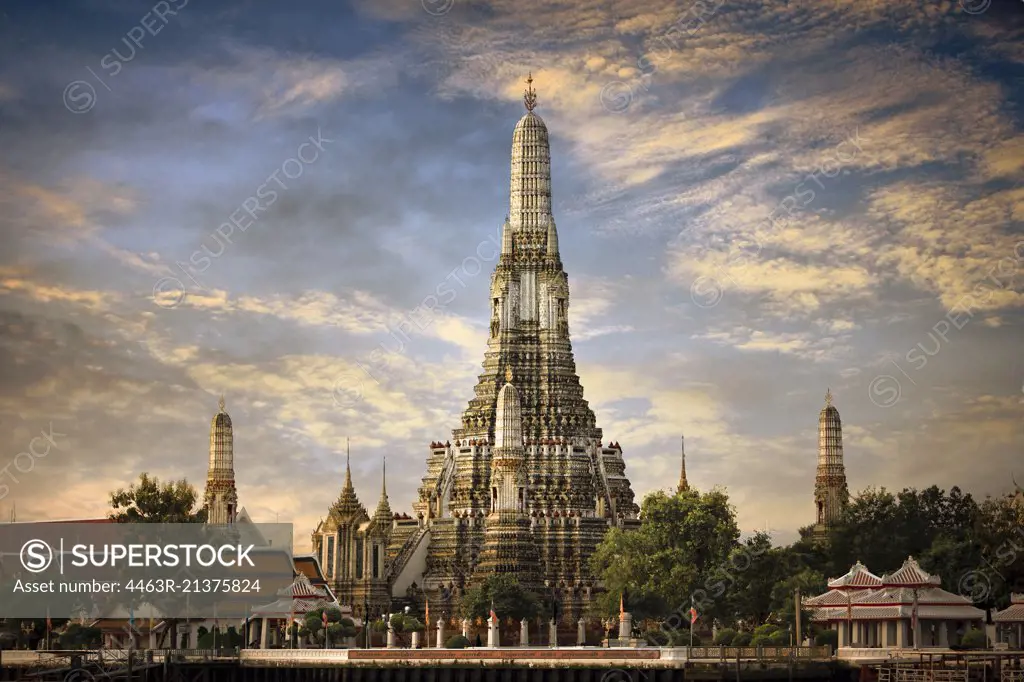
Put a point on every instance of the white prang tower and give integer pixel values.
(830, 492)
(221, 497)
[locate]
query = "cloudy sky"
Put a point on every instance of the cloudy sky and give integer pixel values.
(756, 201)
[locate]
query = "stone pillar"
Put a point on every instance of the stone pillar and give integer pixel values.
(493, 640)
(581, 632)
(843, 639)
(391, 638)
(626, 625)
(524, 632)
(901, 634)
(944, 634)
(885, 634)
(917, 634)
(465, 628)
(416, 640)
(440, 633)
(553, 633)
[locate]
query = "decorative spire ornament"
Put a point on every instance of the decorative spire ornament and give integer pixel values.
(220, 403)
(530, 95)
(828, 397)
(508, 375)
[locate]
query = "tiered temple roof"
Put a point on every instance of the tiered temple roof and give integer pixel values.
(861, 595)
(1014, 613)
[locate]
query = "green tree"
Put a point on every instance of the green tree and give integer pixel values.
(674, 558)
(783, 604)
(78, 636)
(882, 529)
(725, 637)
(974, 639)
(338, 627)
(150, 501)
(456, 642)
(751, 573)
(510, 599)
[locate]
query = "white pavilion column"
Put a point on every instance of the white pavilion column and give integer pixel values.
(843, 638)
(885, 634)
(465, 628)
(626, 625)
(415, 640)
(581, 632)
(901, 634)
(944, 634)
(524, 632)
(917, 634)
(440, 633)
(492, 633)
(553, 633)
(263, 632)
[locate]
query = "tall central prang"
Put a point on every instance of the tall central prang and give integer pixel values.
(525, 486)
(573, 487)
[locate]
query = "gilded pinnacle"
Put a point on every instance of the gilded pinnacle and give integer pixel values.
(508, 375)
(530, 95)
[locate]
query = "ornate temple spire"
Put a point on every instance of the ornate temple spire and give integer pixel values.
(683, 483)
(530, 201)
(383, 511)
(830, 490)
(508, 426)
(221, 497)
(552, 240)
(506, 238)
(348, 502)
(348, 467)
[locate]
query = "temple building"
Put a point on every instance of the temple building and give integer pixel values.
(525, 484)
(905, 609)
(221, 497)
(353, 547)
(830, 492)
(1010, 621)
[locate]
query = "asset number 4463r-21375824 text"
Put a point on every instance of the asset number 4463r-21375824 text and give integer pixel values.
(195, 586)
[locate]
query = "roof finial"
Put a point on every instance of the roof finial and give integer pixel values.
(828, 398)
(683, 483)
(508, 375)
(220, 403)
(530, 95)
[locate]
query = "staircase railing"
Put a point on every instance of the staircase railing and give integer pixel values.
(410, 544)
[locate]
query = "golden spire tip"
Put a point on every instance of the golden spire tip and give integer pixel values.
(530, 95)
